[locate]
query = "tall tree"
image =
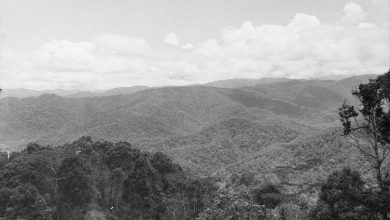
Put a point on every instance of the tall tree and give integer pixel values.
(143, 190)
(342, 197)
(76, 188)
(367, 127)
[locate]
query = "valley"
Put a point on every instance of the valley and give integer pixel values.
(205, 129)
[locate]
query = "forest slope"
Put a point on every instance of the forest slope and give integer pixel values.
(203, 128)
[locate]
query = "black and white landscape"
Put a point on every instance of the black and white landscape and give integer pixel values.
(206, 110)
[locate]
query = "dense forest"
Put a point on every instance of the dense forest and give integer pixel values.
(99, 179)
(87, 179)
(103, 180)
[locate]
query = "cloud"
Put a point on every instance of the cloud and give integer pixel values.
(188, 46)
(122, 44)
(303, 21)
(354, 14)
(64, 55)
(303, 47)
(171, 39)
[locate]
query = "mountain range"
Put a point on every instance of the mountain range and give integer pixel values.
(24, 93)
(229, 83)
(228, 126)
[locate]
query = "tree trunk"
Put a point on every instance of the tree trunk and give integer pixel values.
(379, 174)
(378, 165)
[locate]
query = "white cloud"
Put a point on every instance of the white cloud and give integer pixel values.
(303, 21)
(64, 55)
(304, 47)
(354, 14)
(307, 48)
(188, 46)
(171, 39)
(122, 44)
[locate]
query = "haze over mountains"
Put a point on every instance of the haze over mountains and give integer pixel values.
(229, 83)
(23, 93)
(233, 125)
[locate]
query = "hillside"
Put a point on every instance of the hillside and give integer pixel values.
(150, 114)
(238, 83)
(348, 83)
(25, 93)
(203, 128)
(110, 92)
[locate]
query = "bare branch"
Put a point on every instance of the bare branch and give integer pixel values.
(357, 145)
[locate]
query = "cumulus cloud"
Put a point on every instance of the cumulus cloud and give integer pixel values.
(188, 46)
(354, 14)
(304, 47)
(303, 21)
(122, 44)
(64, 55)
(171, 39)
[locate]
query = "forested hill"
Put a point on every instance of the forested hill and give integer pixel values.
(229, 83)
(156, 114)
(190, 123)
(87, 178)
(192, 147)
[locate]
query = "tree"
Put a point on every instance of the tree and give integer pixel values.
(122, 155)
(26, 202)
(343, 196)
(233, 203)
(3, 160)
(117, 178)
(163, 164)
(52, 160)
(368, 127)
(143, 190)
(76, 188)
(23, 170)
(5, 195)
(32, 147)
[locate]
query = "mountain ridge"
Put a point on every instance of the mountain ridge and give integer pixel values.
(228, 83)
(203, 128)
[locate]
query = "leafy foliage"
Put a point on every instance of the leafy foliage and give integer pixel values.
(265, 134)
(340, 197)
(368, 127)
(233, 203)
(76, 186)
(80, 178)
(26, 202)
(344, 196)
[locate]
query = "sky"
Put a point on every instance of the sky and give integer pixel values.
(102, 44)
